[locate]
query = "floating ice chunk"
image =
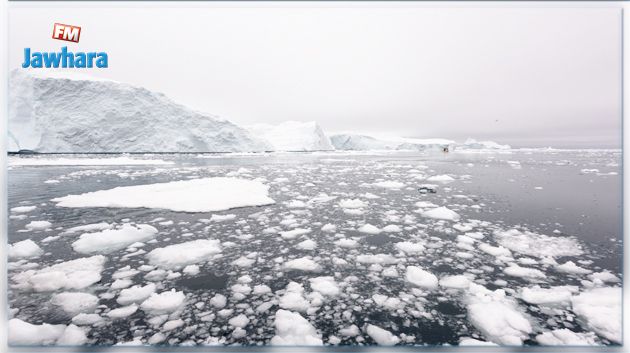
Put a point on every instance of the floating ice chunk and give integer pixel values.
(381, 336)
(458, 282)
(73, 274)
(494, 250)
(261, 289)
(566, 337)
(441, 213)
(294, 330)
(381, 259)
(243, 262)
(218, 301)
(296, 204)
(329, 228)
(180, 255)
(23, 209)
(347, 243)
(387, 302)
(600, 308)
(307, 244)
(391, 184)
(497, 317)
(467, 341)
(25, 249)
(110, 240)
(38, 225)
(172, 324)
(75, 303)
(163, 303)
(294, 233)
(538, 245)
(350, 331)
(293, 298)
(123, 312)
(421, 278)
(87, 228)
(191, 270)
(302, 264)
(352, 203)
(222, 218)
(440, 178)
(547, 296)
(326, 285)
(135, 294)
(425, 204)
(197, 195)
(571, 267)
(86, 319)
(72, 336)
(239, 321)
(604, 276)
(22, 333)
(515, 270)
(369, 229)
(392, 228)
(409, 248)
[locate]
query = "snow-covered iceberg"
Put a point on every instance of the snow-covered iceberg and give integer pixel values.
(293, 136)
(471, 144)
(79, 114)
(358, 142)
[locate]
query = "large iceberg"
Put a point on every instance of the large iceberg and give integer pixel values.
(471, 143)
(358, 142)
(72, 113)
(293, 136)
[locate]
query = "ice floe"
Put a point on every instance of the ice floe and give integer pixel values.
(179, 255)
(197, 195)
(110, 240)
(294, 330)
(72, 274)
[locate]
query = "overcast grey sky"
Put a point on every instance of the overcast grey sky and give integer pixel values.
(517, 75)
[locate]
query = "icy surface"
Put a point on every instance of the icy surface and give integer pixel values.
(110, 240)
(200, 195)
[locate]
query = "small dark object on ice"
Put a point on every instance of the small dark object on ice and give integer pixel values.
(427, 188)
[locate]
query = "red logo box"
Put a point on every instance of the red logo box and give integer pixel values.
(67, 33)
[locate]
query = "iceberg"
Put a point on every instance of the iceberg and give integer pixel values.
(58, 113)
(294, 136)
(358, 142)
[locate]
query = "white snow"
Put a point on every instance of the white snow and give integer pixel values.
(239, 321)
(352, 203)
(409, 248)
(440, 178)
(292, 234)
(73, 274)
(529, 273)
(25, 249)
(600, 308)
(421, 278)
(197, 195)
(294, 330)
(110, 240)
(179, 255)
(381, 336)
(72, 336)
(441, 213)
(307, 244)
